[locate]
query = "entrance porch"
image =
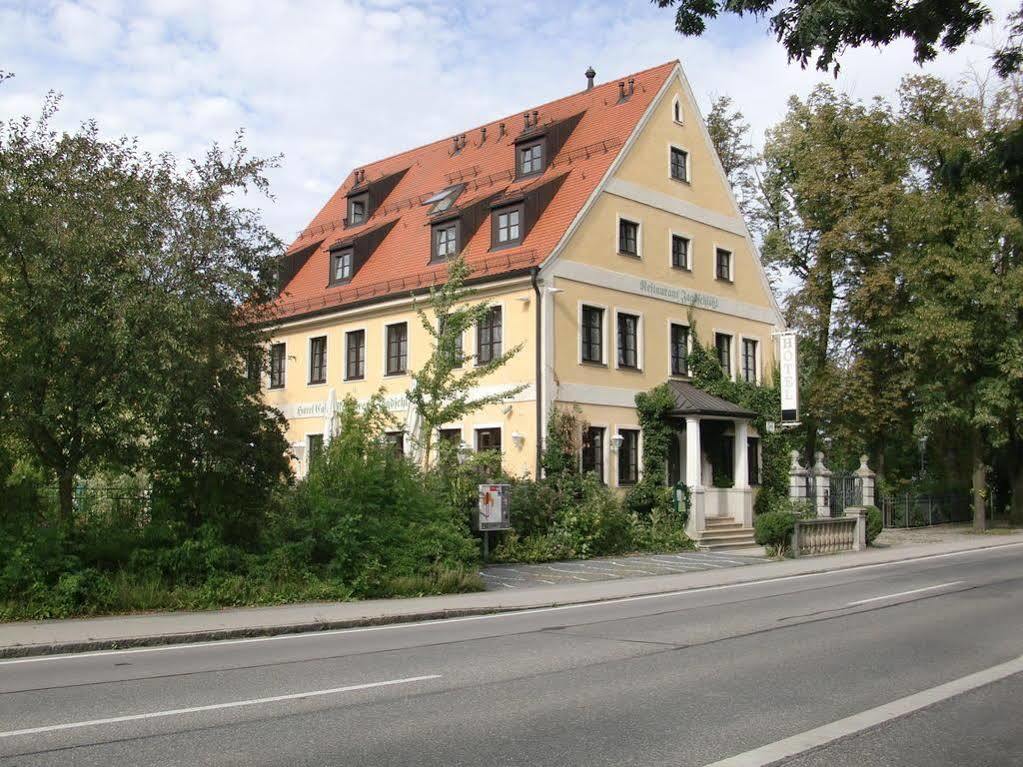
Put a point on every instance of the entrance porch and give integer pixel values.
(712, 455)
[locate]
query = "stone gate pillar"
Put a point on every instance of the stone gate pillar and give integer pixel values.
(797, 479)
(865, 479)
(821, 486)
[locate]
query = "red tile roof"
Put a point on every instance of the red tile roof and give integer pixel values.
(401, 262)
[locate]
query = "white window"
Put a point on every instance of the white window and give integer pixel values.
(676, 110)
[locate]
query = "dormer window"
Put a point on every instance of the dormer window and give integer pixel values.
(445, 241)
(357, 210)
(531, 159)
(343, 266)
(507, 225)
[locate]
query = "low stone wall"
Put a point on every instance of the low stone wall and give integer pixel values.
(829, 535)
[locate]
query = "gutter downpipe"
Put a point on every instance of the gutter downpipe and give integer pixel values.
(539, 370)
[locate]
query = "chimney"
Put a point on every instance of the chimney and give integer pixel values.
(590, 74)
(621, 90)
(632, 85)
(454, 144)
(463, 141)
(536, 118)
(500, 131)
(526, 117)
(483, 134)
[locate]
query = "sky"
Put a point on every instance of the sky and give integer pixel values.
(334, 84)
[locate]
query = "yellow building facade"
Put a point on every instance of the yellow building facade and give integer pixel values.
(656, 253)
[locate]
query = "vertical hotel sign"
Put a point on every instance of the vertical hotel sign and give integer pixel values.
(789, 378)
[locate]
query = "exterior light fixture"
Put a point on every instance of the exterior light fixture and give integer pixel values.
(616, 442)
(519, 439)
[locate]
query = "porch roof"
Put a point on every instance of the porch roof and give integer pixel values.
(689, 400)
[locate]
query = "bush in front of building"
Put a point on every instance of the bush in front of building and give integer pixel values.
(773, 529)
(875, 523)
(367, 517)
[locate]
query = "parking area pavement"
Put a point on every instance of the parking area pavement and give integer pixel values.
(518, 576)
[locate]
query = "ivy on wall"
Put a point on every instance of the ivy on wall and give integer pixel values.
(654, 408)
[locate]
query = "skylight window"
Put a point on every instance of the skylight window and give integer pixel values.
(444, 199)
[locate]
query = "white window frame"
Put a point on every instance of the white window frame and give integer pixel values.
(618, 235)
(757, 359)
(307, 459)
(465, 353)
(731, 262)
(408, 349)
(482, 426)
(731, 349)
(640, 338)
(688, 180)
(309, 359)
(344, 353)
(605, 451)
(677, 101)
(579, 333)
(451, 427)
(689, 346)
(672, 234)
(639, 452)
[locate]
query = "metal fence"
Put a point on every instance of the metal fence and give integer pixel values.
(923, 509)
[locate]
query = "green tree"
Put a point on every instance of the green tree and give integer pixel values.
(729, 132)
(121, 281)
(445, 388)
(814, 29)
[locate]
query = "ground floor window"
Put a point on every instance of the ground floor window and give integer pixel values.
(488, 439)
(314, 447)
(397, 440)
(593, 451)
(628, 457)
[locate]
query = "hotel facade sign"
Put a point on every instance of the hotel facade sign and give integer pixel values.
(789, 363)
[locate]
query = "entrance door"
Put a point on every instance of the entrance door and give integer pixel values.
(674, 460)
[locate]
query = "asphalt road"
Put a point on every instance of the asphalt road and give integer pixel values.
(684, 679)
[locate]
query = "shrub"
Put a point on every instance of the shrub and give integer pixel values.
(875, 522)
(774, 530)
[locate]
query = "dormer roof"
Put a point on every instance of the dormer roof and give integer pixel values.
(585, 133)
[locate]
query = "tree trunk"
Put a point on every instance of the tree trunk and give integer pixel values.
(65, 491)
(979, 485)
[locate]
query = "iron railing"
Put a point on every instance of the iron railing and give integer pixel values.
(924, 509)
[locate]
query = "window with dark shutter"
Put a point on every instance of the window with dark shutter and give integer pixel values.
(628, 237)
(679, 350)
(628, 457)
(488, 336)
(723, 260)
(318, 360)
(277, 358)
(679, 164)
(679, 251)
(723, 344)
(593, 451)
(749, 360)
(397, 348)
(628, 340)
(592, 334)
(355, 355)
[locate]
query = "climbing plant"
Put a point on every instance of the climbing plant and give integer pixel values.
(651, 492)
(763, 400)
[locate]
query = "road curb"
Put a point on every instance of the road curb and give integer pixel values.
(248, 632)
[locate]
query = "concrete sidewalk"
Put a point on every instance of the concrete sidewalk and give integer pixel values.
(63, 636)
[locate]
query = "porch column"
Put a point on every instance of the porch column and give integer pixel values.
(693, 455)
(741, 460)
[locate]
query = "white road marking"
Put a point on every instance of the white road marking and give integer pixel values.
(214, 707)
(491, 616)
(903, 593)
(773, 753)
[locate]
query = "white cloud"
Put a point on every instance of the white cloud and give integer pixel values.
(333, 84)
